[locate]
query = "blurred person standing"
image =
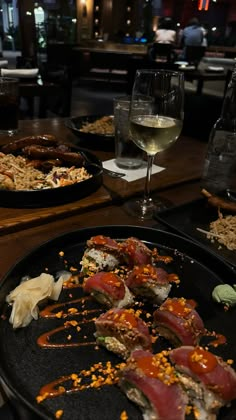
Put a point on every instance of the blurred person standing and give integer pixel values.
(165, 34)
(192, 33)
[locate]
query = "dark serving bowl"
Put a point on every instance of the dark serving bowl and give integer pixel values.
(92, 140)
(56, 196)
(25, 366)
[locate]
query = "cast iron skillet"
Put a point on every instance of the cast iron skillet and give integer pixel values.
(56, 196)
(25, 367)
(91, 140)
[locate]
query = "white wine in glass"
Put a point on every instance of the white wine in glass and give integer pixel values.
(157, 125)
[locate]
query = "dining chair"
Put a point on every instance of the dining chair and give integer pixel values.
(60, 77)
(161, 52)
(44, 93)
(194, 54)
(26, 77)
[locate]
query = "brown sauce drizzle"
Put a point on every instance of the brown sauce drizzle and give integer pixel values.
(50, 310)
(44, 339)
(217, 339)
(96, 376)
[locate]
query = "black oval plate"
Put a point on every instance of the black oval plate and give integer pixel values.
(94, 141)
(25, 368)
(56, 196)
(187, 218)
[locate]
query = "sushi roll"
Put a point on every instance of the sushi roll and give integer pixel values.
(150, 282)
(101, 254)
(178, 321)
(135, 252)
(208, 380)
(108, 289)
(150, 381)
(122, 331)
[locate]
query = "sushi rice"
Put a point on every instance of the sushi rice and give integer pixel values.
(95, 260)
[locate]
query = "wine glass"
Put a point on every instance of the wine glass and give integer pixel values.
(156, 125)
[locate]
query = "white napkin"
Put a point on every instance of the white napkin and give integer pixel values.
(24, 73)
(131, 174)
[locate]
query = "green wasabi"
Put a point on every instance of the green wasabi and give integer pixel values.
(225, 294)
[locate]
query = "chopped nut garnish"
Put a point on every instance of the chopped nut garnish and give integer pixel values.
(58, 414)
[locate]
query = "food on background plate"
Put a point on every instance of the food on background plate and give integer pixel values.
(150, 381)
(108, 289)
(60, 152)
(40, 162)
(25, 298)
(43, 140)
(17, 173)
(222, 230)
(178, 321)
(102, 126)
(209, 381)
(219, 202)
(122, 331)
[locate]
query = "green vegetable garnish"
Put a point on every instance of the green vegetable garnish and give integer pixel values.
(225, 294)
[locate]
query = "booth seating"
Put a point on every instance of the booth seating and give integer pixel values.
(104, 66)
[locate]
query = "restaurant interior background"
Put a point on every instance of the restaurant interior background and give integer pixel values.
(30, 26)
(71, 32)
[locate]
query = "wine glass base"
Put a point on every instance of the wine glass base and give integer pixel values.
(145, 209)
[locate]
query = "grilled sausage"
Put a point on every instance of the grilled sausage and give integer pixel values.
(43, 140)
(219, 202)
(41, 152)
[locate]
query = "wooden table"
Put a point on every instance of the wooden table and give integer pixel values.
(23, 228)
(183, 163)
(202, 76)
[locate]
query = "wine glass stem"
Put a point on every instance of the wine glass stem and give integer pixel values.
(150, 159)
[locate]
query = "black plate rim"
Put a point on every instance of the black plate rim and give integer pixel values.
(70, 123)
(89, 231)
(56, 196)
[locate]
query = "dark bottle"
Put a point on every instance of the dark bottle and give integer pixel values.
(220, 161)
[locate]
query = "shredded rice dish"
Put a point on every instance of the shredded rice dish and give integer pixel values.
(102, 126)
(223, 230)
(18, 173)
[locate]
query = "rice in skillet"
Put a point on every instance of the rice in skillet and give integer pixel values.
(17, 173)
